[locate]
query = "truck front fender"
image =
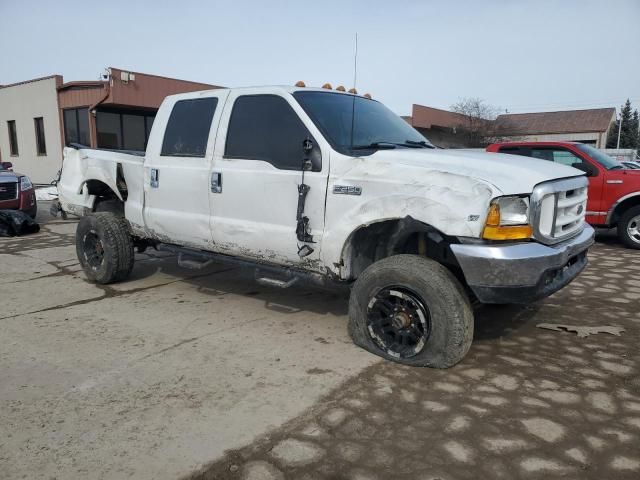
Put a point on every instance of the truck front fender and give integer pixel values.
(459, 214)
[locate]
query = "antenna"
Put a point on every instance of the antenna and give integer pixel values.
(355, 78)
(355, 62)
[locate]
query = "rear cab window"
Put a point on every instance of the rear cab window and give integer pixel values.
(187, 131)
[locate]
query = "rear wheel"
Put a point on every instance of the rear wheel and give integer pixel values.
(629, 227)
(104, 247)
(411, 310)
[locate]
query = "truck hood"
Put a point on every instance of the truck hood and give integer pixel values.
(8, 177)
(511, 175)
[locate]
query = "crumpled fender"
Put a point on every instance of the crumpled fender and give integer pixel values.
(78, 169)
(455, 205)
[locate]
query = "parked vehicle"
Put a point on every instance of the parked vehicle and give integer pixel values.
(614, 191)
(278, 178)
(16, 191)
(631, 165)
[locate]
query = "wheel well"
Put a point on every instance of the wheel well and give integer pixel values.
(623, 207)
(104, 192)
(406, 235)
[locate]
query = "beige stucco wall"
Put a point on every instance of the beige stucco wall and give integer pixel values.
(23, 103)
(599, 137)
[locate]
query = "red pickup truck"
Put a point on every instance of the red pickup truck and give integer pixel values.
(614, 191)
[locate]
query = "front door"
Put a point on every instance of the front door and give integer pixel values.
(256, 172)
(177, 169)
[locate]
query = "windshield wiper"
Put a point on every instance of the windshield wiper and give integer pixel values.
(375, 146)
(421, 143)
(617, 167)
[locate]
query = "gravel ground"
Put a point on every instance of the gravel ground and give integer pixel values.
(525, 403)
(140, 380)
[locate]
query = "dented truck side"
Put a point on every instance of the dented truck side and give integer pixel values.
(277, 180)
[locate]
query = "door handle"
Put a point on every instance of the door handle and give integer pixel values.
(216, 182)
(155, 178)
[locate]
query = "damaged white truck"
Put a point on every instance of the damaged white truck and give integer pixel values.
(333, 188)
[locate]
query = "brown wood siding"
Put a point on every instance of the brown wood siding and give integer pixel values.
(148, 91)
(79, 97)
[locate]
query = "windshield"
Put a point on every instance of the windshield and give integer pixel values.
(374, 125)
(602, 158)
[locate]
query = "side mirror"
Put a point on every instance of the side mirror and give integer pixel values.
(7, 165)
(586, 168)
(312, 158)
(307, 146)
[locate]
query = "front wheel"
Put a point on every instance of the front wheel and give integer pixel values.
(629, 227)
(411, 310)
(104, 247)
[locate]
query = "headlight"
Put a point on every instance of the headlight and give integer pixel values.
(25, 184)
(508, 219)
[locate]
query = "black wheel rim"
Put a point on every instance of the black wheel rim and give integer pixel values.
(93, 249)
(398, 322)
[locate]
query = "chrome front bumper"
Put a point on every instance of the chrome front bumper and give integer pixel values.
(522, 272)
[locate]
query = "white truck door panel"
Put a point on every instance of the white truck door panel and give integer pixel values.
(177, 169)
(258, 158)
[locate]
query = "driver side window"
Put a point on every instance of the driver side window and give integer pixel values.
(265, 127)
(557, 155)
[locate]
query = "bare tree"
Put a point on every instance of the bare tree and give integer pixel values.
(477, 122)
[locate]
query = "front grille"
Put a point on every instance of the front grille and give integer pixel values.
(8, 191)
(559, 208)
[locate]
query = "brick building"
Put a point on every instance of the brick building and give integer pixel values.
(38, 117)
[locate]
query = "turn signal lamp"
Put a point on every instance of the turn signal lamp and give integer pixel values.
(341, 89)
(327, 86)
(495, 229)
(300, 84)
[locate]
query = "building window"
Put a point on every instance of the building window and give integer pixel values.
(76, 126)
(188, 128)
(41, 144)
(109, 130)
(13, 138)
(123, 130)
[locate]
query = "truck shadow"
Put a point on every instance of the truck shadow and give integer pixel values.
(497, 321)
(608, 236)
(491, 321)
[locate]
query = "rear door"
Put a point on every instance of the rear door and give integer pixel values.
(177, 169)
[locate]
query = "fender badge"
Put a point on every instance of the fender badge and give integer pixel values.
(474, 218)
(347, 190)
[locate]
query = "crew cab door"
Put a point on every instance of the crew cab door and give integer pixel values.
(256, 172)
(177, 168)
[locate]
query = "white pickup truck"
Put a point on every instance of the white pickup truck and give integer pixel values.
(332, 187)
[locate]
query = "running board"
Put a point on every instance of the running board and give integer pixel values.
(274, 282)
(266, 274)
(185, 261)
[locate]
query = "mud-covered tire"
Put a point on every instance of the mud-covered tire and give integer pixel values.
(104, 247)
(630, 222)
(449, 311)
(112, 205)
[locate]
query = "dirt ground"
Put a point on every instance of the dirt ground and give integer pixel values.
(207, 376)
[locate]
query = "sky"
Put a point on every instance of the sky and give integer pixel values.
(520, 56)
